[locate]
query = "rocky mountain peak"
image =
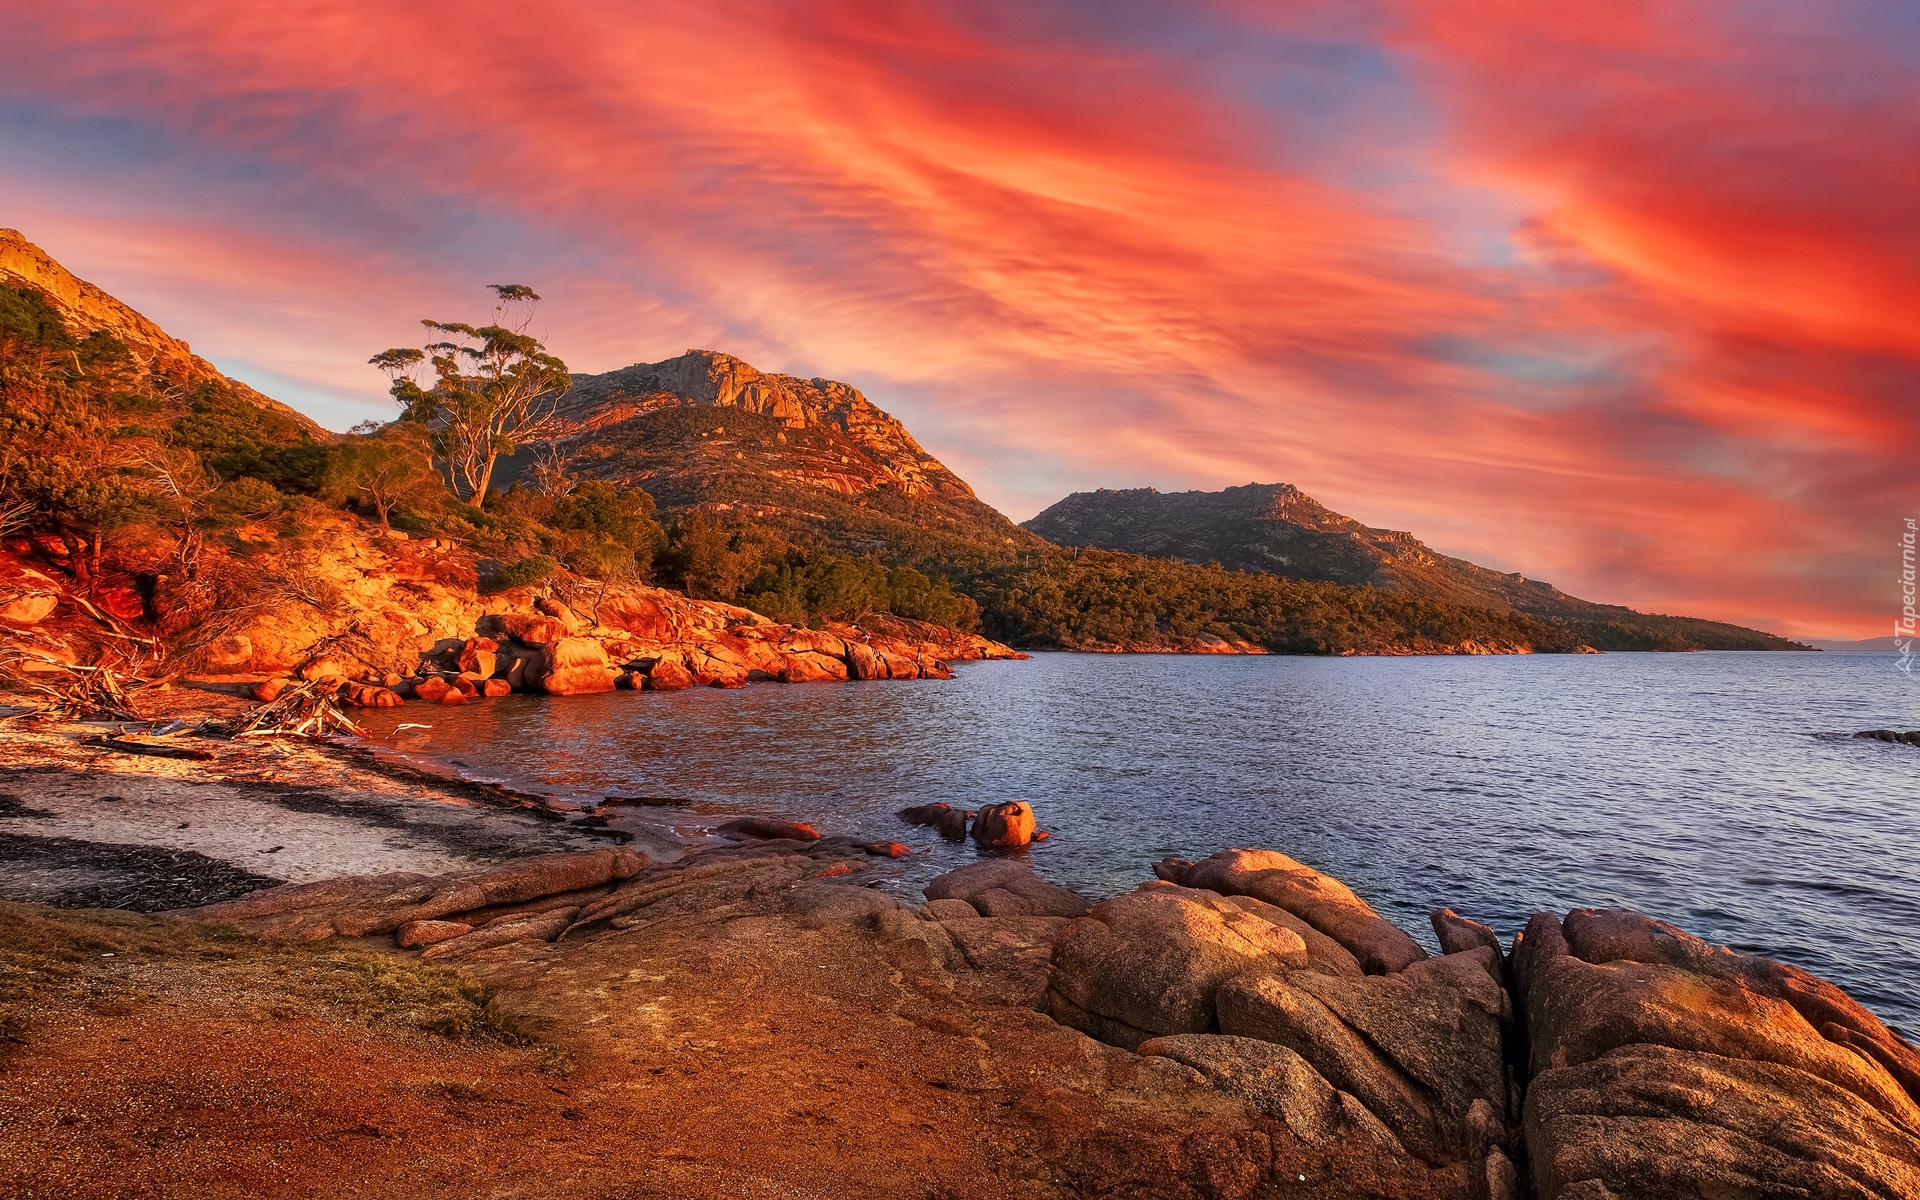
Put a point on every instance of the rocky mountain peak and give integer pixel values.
(711, 379)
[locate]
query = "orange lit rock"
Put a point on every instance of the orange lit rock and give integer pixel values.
(809, 667)
(30, 609)
(415, 934)
(1149, 963)
(1006, 888)
(1662, 1065)
(668, 676)
(1005, 826)
(863, 663)
(575, 666)
(1320, 900)
(477, 656)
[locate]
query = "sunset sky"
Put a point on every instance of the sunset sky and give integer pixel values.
(1624, 296)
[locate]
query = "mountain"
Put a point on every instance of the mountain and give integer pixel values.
(86, 309)
(1879, 645)
(1277, 528)
(811, 459)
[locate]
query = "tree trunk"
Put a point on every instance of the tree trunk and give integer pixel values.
(486, 480)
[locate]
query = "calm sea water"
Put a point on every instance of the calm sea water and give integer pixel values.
(1718, 791)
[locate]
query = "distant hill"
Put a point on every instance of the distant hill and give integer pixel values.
(86, 309)
(812, 460)
(1879, 645)
(1277, 529)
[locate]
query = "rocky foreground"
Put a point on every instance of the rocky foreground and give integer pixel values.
(750, 1020)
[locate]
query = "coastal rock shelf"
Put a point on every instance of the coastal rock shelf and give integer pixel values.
(1605, 1054)
(405, 622)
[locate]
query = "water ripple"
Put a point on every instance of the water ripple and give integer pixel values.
(1720, 791)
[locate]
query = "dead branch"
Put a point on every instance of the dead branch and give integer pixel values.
(309, 709)
(71, 691)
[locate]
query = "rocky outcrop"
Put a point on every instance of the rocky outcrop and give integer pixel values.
(1613, 1055)
(706, 378)
(1004, 888)
(85, 308)
(1662, 1067)
(1278, 1083)
(1421, 1049)
(1629, 1059)
(1149, 963)
(359, 906)
(1320, 900)
(403, 620)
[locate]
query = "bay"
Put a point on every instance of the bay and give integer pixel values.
(1722, 792)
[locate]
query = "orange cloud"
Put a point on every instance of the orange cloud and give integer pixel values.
(1617, 296)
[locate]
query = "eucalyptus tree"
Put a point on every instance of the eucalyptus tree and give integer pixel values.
(491, 392)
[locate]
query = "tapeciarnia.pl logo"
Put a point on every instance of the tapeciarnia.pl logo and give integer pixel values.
(1904, 630)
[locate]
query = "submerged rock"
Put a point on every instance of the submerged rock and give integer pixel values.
(953, 824)
(1911, 738)
(763, 827)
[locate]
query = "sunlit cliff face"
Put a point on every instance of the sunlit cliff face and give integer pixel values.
(1622, 296)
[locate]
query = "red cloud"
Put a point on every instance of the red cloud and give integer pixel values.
(1614, 296)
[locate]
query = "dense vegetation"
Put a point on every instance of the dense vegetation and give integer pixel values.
(1097, 598)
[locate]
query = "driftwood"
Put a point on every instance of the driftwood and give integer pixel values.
(72, 691)
(149, 748)
(309, 709)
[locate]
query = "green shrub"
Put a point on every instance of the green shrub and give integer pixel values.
(523, 572)
(243, 499)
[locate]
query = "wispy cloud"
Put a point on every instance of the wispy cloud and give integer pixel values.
(1620, 297)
